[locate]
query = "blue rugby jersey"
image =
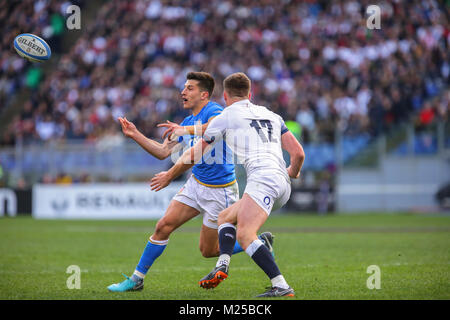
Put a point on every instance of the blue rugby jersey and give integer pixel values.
(210, 172)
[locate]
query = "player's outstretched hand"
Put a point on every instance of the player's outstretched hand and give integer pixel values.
(173, 129)
(128, 128)
(160, 181)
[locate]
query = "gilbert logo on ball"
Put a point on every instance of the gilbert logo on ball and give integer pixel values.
(32, 47)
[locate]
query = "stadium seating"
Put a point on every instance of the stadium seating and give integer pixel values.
(313, 62)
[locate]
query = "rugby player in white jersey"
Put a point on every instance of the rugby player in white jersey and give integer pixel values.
(256, 136)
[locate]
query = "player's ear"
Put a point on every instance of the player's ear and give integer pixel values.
(250, 95)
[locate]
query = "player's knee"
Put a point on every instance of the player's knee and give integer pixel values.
(244, 237)
(225, 218)
(163, 228)
(221, 221)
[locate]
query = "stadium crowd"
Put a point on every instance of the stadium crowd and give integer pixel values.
(314, 62)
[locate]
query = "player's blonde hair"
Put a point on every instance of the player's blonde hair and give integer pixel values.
(237, 85)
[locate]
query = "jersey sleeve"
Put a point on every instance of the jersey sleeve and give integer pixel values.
(213, 111)
(284, 129)
(216, 129)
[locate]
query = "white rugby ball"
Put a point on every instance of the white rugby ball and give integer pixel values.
(32, 47)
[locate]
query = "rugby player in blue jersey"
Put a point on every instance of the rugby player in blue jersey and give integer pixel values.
(211, 188)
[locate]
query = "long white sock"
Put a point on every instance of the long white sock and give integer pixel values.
(137, 275)
(223, 259)
(279, 281)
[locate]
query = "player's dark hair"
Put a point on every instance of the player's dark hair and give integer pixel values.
(237, 85)
(205, 81)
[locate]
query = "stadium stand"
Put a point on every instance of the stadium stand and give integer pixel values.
(313, 62)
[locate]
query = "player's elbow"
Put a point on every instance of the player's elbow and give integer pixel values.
(160, 157)
(302, 154)
(163, 155)
(298, 154)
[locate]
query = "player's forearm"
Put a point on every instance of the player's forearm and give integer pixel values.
(184, 163)
(156, 149)
(297, 159)
(187, 160)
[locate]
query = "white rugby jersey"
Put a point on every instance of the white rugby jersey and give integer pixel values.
(253, 133)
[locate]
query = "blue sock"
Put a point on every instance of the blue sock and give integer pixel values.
(152, 251)
(237, 247)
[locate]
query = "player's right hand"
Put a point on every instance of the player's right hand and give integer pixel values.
(160, 181)
(173, 130)
(128, 128)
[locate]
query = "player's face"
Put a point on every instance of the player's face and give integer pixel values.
(191, 95)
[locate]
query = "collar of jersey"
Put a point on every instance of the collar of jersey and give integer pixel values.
(201, 110)
(246, 101)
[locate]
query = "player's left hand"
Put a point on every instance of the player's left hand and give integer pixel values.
(160, 181)
(173, 129)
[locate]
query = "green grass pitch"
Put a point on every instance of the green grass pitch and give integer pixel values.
(322, 257)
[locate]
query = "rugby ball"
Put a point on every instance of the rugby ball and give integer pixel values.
(32, 47)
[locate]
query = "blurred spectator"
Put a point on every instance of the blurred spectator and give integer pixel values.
(21, 184)
(47, 179)
(83, 178)
(63, 178)
(305, 118)
(426, 116)
(324, 194)
(2, 175)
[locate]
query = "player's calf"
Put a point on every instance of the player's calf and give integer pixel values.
(163, 229)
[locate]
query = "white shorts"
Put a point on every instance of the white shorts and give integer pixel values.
(270, 192)
(208, 200)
